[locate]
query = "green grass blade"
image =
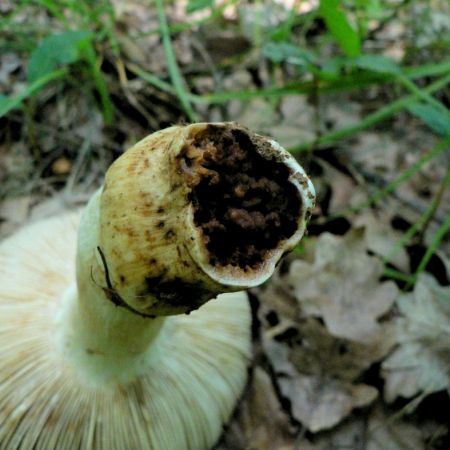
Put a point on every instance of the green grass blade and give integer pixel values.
(394, 184)
(9, 103)
(433, 117)
(409, 234)
(174, 72)
(300, 88)
(396, 275)
(339, 26)
(100, 84)
(216, 13)
(152, 79)
(371, 119)
(424, 219)
(422, 94)
(437, 238)
(406, 174)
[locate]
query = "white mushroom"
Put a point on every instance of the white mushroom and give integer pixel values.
(106, 359)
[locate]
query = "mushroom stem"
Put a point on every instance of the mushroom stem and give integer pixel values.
(183, 216)
(186, 215)
(102, 334)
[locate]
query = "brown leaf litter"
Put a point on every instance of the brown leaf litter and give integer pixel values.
(421, 362)
(260, 421)
(323, 328)
(342, 287)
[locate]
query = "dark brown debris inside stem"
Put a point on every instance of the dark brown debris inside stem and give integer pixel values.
(243, 202)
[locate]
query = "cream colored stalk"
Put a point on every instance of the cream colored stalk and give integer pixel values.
(108, 360)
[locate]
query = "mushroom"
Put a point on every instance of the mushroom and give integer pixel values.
(121, 351)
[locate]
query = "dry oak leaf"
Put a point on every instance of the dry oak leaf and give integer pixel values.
(350, 435)
(380, 431)
(385, 431)
(322, 403)
(343, 190)
(260, 422)
(377, 153)
(421, 362)
(318, 400)
(382, 239)
(314, 351)
(342, 286)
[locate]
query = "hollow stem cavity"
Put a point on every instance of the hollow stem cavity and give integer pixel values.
(243, 202)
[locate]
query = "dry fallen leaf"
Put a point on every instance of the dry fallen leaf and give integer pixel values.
(314, 371)
(378, 153)
(421, 362)
(349, 435)
(289, 126)
(256, 114)
(294, 126)
(384, 431)
(339, 113)
(323, 328)
(342, 286)
(9, 63)
(342, 189)
(379, 431)
(260, 422)
(320, 403)
(382, 239)
(317, 352)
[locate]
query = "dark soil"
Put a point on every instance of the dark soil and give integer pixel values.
(243, 202)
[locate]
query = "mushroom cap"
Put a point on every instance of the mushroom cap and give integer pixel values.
(186, 390)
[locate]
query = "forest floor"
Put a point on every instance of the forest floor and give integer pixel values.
(352, 334)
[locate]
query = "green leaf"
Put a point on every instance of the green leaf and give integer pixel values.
(339, 27)
(197, 5)
(286, 52)
(332, 67)
(437, 120)
(376, 63)
(56, 50)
